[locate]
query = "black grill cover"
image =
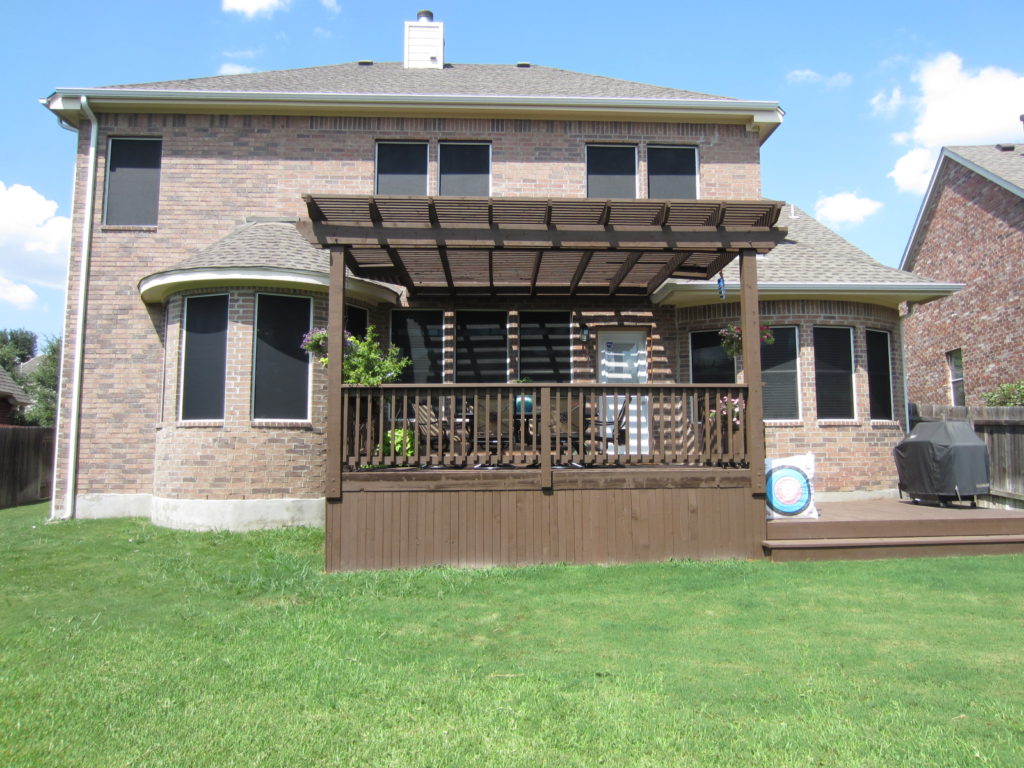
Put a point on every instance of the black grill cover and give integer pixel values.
(942, 458)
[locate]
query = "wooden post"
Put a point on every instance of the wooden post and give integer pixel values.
(336, 358)
(545, 437)
(750, 324)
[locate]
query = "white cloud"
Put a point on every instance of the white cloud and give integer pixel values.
(887, 104)
(250, 53)
(957, 106)
(20, 296)
(803, 76)
(252, 8)
(845, 208)
(231, 68)
(34, 241)
(840, 80)
(326, 34)
(331, 5)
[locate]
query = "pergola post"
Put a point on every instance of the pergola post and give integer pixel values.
(336, 358)
(750, 325)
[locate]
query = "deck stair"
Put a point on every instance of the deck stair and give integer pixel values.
(882, 528)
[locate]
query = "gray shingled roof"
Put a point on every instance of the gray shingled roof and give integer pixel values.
(8, 388)
(274, 244)
(1007, 165)
(391, 78)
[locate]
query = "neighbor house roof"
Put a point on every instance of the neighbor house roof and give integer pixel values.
(484, 90)
(814, 261)
(1001, 164)
(10, 389)
(263, 252)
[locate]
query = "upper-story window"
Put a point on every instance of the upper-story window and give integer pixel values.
(955, 360)
(611, 171)
(133, 182)
(672, 173)
(464, 168)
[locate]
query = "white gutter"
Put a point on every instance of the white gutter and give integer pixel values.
(920, 292)
(71, 478)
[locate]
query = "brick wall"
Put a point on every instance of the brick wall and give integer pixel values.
(219, 169)
(973, 233)
(854, 455)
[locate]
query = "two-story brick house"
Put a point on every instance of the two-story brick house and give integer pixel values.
(496, 222)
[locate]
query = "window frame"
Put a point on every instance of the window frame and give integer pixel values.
(799, 376)
(410, 142)
(953, 380)
(888, 372)
(107, 175)
(472, 143)
(689, 341)
(852, 376)
(184, 351)
(696, 168)
(444, 350)
(519, 342)
(636, 168)
(455, 345)
(309, 363)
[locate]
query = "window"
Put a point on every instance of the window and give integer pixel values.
(779, 373)
(204, 358)
(481, 347)
(545, 346)
(401, 168)
(833, 372)
(419, 334)
(356, 320)
(709, 364)
(879, 375)
(611, 171)
(464, 169)
(955, 360)
(280, 381)
(133, 182)
(672, 173)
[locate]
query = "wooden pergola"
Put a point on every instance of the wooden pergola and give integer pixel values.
(441, 247)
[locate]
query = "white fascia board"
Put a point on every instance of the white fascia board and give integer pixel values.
(66, 102)
(156, 288)
(684, 294)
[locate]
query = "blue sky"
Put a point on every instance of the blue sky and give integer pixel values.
(871, 90)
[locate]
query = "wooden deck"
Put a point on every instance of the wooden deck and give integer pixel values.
(880, 528)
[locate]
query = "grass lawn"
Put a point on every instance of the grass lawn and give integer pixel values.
(123, 644)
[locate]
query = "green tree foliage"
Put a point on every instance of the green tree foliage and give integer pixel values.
(1005, 394)
(41, 386)
(367, 363)
(16, 346)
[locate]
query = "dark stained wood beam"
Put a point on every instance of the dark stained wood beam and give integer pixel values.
(624, 270)
(581, 268)
(667, 271)
(536, 271)
(447, 267)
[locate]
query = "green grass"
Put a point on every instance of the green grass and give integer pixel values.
(123, 644)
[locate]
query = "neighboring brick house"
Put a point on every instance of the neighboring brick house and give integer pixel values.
(12, 398)
(184, 400)
(970, 230)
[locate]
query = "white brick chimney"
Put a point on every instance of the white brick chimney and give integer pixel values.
(424, 42)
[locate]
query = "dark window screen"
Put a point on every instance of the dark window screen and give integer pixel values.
(204, 367)
(280, 387)
(481, 347)
(545, 346)
(779, 374)
(401, 169)
(708, 360)
(356, 320)
(133, 182)
(879, 375)
(611, 172)
(672, 172)
(419, 334)
(465, 170)
(833, 372)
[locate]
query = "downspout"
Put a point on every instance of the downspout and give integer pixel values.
(911, 306)
(83, 293)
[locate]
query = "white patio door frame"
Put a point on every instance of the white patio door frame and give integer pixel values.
(622, 359)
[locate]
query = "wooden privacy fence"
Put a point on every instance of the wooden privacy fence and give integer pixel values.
(1002, 429)
(541, 425)
(26, 465)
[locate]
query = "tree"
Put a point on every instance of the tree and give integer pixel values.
(16, 346)
(41, 386)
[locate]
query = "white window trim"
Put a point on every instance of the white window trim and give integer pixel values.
(855, 418)
(183, 335)
(892, 368)
(952, 380)
(252, 365)
(636, 165)
(490, 162)
(696, 153)
(425, 143)
(106, 178)
(799, 418)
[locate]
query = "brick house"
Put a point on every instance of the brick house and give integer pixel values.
(496, 222)
(12, 398)
(970, 230)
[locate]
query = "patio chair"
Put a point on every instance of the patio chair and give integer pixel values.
(603, 433)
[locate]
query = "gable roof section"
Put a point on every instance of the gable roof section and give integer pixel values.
(489, 90)
(261, 252)
(11, 390)
(1004, 168)
(813, 262)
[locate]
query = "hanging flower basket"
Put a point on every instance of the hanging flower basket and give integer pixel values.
(732, 339)
(366, 362)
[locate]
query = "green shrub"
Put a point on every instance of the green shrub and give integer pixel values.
(1005, 394)
(403, 441)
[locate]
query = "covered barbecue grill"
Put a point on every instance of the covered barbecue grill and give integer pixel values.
(942, 461)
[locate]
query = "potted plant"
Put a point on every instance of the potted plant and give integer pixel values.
(732, 338)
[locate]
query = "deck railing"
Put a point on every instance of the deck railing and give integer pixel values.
(543, 425)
